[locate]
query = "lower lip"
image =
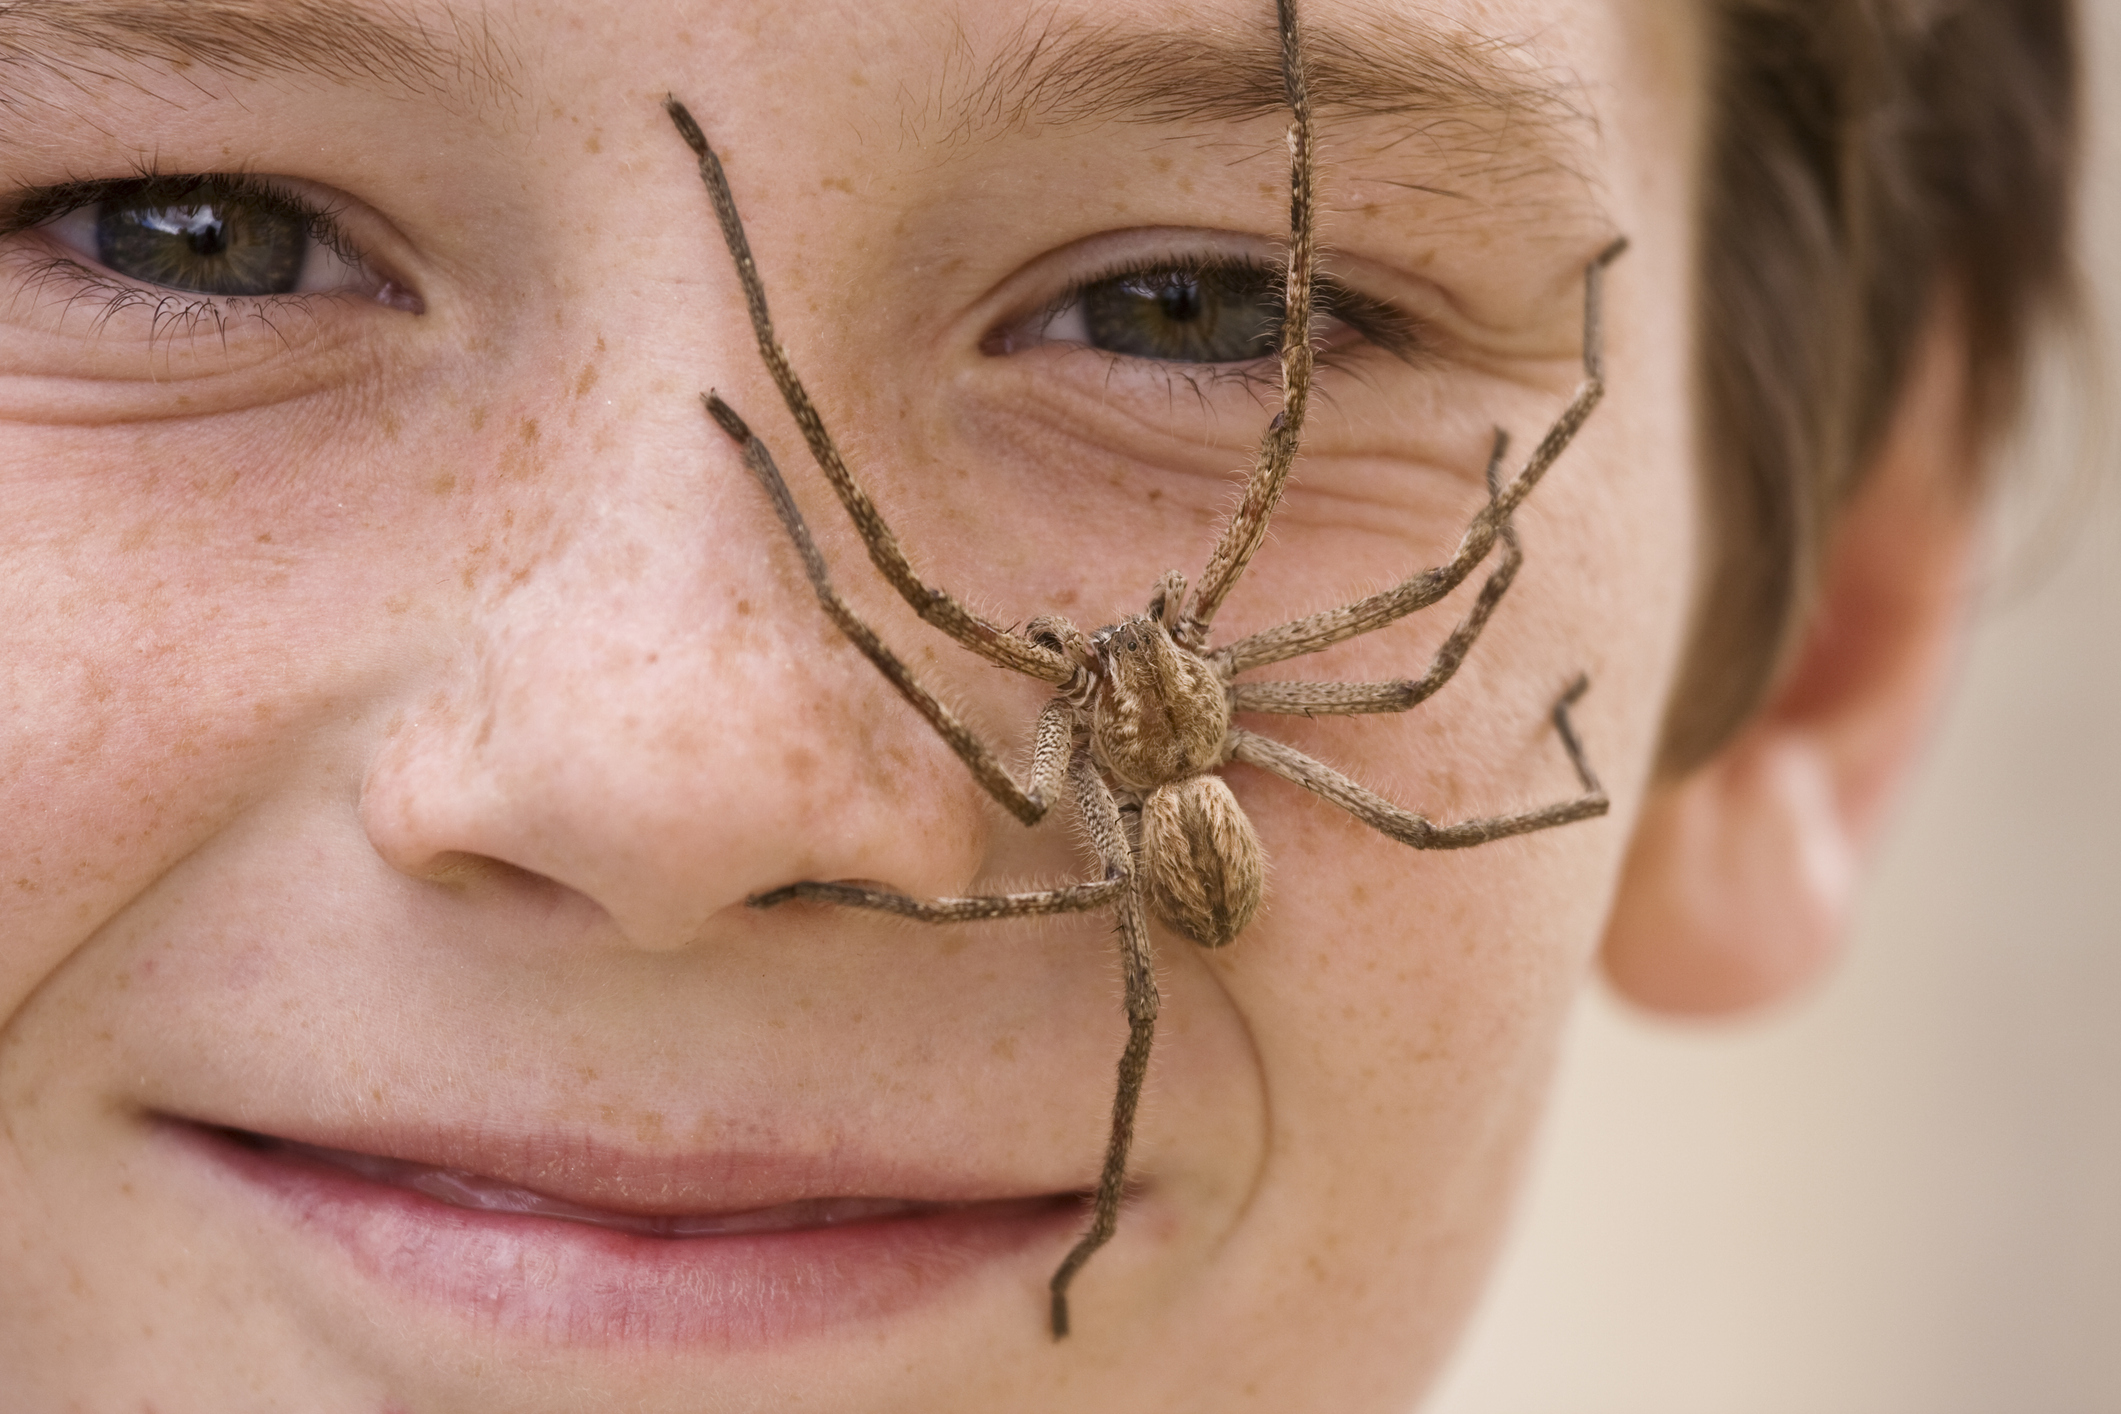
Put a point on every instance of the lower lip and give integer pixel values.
(568, 1283)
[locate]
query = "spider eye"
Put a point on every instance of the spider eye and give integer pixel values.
(1213, 315)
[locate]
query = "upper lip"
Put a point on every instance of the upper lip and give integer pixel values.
(579, 1169)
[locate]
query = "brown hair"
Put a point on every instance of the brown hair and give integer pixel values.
(1865, 156)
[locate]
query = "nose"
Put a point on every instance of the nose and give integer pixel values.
(656, 714)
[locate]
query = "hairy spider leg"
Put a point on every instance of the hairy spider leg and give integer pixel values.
(1108, 836)
(992, 642)
(1247, 527)
(1313, 699)
(1322, 630)
(1409, 828)
(1074, 898)
(1120, 888)
(1056, 724)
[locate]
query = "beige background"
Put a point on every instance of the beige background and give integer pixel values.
(1901, 1195)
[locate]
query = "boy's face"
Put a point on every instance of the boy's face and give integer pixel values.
(406, 686)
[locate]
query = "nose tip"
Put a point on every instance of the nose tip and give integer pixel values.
(666, 742)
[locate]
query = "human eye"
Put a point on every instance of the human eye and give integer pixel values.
(1218, 312)
(215, 236)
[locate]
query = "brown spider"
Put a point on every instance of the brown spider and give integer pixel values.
(1141, 722)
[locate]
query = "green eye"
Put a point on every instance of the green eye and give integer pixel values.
(209, 243)
(229, 235)
(1212, 315)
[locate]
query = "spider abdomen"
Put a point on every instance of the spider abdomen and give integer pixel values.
(1202, 860)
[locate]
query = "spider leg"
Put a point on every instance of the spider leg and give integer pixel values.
(1318, 699)
(1138, 968)
(1105, 834)
(1323, 630)
(1247, 527)
(1075, 898)
(1056, 724)
(1409, 828)
(936, 606)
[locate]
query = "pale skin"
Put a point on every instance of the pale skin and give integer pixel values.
(405, 695)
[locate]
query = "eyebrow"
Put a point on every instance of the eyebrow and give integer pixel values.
(1067, 73)
(79, 42)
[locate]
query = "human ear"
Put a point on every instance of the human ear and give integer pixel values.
(1740, 881)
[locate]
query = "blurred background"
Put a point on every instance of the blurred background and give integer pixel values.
(1902, 1193)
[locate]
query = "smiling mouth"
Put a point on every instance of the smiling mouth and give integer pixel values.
(727, 1251)
(479, 1193)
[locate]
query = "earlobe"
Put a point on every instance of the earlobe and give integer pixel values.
(1739, 883)
(1743, 874)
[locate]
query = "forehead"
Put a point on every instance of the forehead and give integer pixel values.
(991, 62)
(1446, 114)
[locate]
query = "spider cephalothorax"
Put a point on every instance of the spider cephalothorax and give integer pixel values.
(1140, 722)
(1156, 715)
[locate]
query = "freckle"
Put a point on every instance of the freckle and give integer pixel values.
(442, 485)
(265, 537)
(743, 606)
(1155, 496)
(1005, 1048)
(478, 418)
(838, 184)
(799, 763)
(390, 424)
(593, 143)
(588, 380)
(530, 429)
(600, 343)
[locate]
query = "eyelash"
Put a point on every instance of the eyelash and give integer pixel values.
(1380, 325)
(28, 210)
(1376, 323)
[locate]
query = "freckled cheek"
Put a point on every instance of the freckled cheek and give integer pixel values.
(200, 610)
(1404, 1010)
(1384, 975)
